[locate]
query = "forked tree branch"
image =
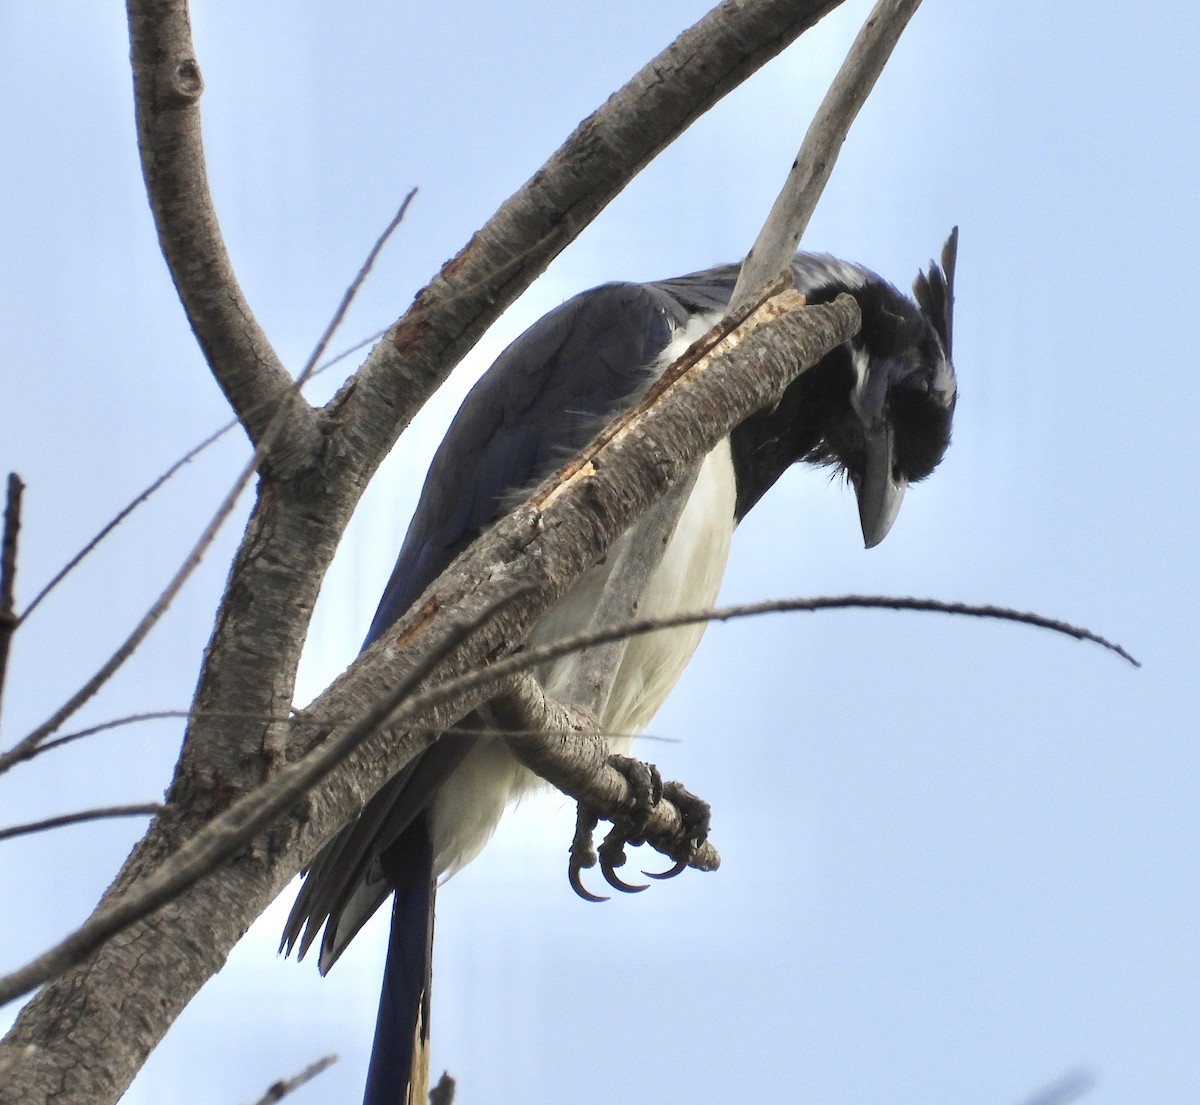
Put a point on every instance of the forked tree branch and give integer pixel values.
(311, 485)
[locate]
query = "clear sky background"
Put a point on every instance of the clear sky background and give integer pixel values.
(961, 859)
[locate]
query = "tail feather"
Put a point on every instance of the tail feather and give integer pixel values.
(399, 1070)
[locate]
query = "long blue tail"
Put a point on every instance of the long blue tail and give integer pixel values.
(399, 1070)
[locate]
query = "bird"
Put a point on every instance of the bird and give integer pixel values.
(877, 410)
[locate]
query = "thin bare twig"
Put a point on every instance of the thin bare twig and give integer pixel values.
(147, 622)
(8, 570)
(9, 760)
(20, 754)
(120, 516)
(161, 480)
(279, 1090)
(364, 270)
(148, 809)
(776, 243)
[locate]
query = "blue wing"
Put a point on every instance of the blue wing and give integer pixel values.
(541, 401)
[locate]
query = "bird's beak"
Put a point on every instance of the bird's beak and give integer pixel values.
(879, 491)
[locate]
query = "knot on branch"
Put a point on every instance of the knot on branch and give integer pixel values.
(184, 84)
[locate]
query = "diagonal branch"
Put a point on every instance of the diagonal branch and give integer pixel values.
(233, 829)
(780, 235)
(167, 87)
(558, 741)
(279, 1090)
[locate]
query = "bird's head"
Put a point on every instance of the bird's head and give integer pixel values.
(889, 393)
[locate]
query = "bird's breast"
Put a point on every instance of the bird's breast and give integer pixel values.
(687, 579)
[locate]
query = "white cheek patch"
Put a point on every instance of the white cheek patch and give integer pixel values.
(861, 363)
(945, 386)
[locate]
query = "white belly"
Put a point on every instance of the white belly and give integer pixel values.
(688, 577)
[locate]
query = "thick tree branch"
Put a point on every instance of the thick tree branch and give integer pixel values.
(558, 741)
(167, 88)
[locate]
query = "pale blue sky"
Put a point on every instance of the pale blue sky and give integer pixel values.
(960, 858)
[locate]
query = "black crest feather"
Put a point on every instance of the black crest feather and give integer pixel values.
(934, 291)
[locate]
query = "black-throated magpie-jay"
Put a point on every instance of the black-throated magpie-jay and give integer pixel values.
(877, 408)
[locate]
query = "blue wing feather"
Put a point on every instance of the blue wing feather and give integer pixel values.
(542, 400)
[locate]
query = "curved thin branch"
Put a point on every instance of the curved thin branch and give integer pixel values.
(167, 89)
(145, 495)
(364, 270)
(146, 809)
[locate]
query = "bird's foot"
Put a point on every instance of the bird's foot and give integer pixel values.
(648, 790)
(697, 818)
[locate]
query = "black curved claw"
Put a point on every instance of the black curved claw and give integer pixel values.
(612, 856)
(574, 871)
(582, 854)
(614, 880)
(677, 868)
